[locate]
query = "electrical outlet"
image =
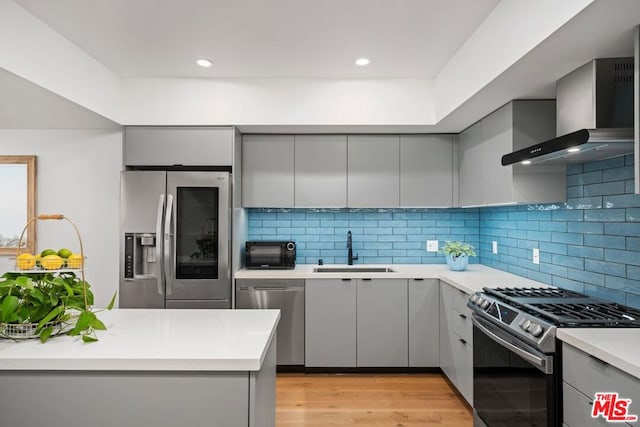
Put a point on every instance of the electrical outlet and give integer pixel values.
(536, 256)
(432, 246)
(494, 248)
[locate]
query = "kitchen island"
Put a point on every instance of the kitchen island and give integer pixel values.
(150, 368)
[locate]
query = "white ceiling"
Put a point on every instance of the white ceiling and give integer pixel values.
(272, 39)
(312, 39)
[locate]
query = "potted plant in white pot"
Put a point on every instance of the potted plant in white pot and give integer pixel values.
(457, 254)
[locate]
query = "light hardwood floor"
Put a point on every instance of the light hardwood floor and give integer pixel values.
(368, 400)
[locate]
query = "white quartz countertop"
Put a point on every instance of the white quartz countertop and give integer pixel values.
(473, 279)
(619, 347)
(155, 340)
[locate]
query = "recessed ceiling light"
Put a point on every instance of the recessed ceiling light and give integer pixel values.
(361, 62)
(526, 162)
(573, 149)
(204, 62)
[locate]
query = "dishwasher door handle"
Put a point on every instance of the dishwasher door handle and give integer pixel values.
(274, 288)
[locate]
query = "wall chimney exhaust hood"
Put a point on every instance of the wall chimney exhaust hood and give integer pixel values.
(594, 117)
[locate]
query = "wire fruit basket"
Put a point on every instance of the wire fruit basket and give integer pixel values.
(61, 316)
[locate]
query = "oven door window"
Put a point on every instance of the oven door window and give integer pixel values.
(508, 391)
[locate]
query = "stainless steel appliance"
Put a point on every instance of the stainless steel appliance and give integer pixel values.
(594, 116)
(174, 240)
(288, 296)
(516, 360)
(270, 255)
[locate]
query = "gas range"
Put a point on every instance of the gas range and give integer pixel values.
(534, 314)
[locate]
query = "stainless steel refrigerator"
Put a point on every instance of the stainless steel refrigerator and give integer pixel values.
(174, 240)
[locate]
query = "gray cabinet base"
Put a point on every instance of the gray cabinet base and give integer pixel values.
(133, 399)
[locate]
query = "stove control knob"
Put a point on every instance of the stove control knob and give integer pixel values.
(484, 303)
(479, 300)
(536, 330)
(526, 325)
(474, 298)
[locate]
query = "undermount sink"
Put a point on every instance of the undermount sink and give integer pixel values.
(354, 269)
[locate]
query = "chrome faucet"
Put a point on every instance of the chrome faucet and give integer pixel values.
(350, 257)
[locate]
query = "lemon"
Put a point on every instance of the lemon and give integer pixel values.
(48, 252)
(26, 261)
(51, 262)
(64, 253)
(74, 261)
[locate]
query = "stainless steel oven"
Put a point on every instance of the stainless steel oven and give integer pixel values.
(516, 359)
(514, 384)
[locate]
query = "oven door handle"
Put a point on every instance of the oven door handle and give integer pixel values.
(542, 363)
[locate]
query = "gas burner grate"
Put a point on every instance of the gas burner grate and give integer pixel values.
(589, 314)
(533, 293)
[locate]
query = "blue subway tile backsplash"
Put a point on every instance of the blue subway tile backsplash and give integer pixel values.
(589, 244)
(595, 235)
(380, 236)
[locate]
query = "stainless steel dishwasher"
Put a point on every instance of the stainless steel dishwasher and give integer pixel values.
(286, 295)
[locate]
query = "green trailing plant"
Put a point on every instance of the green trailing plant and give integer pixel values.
(457, 248)
(48, 303)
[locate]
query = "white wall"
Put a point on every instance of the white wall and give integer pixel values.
(512, 29)
(35, 52)
(278, 102)
(78, 175)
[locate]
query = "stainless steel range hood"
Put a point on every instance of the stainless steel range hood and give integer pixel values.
(594, 116)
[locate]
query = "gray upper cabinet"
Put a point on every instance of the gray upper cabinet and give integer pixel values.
(321, 171)
(268, 171)
(178, 145)
(482, 178)
(373, 171)
(382, 323)
(426, 170)
(470, 171)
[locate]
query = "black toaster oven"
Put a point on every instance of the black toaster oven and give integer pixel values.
(276, 255)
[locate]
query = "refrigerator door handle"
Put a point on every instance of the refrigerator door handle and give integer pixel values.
(168, 273)
(158, 243)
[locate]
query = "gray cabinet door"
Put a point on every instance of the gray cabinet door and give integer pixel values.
(321, 171)
(463, 360)
(496, 141)
(330, 323)
(267, 171)
(470, 186)
(382, 323)
(373, 171)
(178, 145)
(447, 363)
(424, 323)
(426, 170)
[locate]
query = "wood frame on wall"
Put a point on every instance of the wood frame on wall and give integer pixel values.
(30, 162)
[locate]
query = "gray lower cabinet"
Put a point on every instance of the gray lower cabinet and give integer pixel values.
(583, 376)
(424, 322)
(456, 340)
(330, 323)
(373, 171)
(267, 171)
(356, 323)
(382, 330)
(426, 170)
